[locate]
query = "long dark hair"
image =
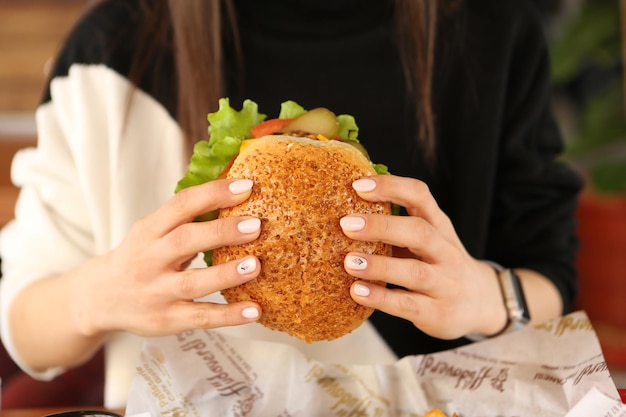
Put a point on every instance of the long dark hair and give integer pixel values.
(201, 68)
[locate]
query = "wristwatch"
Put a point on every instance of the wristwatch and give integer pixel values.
(514, 301)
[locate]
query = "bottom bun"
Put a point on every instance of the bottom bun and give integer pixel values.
(302, 188)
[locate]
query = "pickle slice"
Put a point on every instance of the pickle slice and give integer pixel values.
(317, 121)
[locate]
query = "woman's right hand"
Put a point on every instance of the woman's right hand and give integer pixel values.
(147, 289)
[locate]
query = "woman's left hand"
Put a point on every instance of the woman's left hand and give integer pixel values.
(445, 291)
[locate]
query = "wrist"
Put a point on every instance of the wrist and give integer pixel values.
(88, 296)
(514, 308)
(494, 316)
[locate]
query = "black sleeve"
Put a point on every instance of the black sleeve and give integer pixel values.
(535, 196)
(499, 177)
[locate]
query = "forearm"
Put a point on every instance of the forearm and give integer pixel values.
(48, 314)
(543, 299)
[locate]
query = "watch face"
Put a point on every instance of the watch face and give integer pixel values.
(519, 294)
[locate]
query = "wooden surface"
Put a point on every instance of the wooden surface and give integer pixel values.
(8, 193)
(9, 145)
(31, 32)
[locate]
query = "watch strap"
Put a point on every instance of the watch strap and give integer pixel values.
(514, 301)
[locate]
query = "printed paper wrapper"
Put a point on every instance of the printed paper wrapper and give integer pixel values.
(556, 369)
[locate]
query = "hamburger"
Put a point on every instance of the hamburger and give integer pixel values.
(302, 164)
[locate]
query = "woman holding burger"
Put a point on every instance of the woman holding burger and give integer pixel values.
(453, 96)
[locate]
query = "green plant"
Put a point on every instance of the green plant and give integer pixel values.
(587, 67)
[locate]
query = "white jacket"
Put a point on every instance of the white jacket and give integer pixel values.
(108, 154)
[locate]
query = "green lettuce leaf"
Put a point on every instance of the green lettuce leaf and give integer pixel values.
(227, 128)
(290, 110)
(348, 130)
(228, 122)
(380, 168)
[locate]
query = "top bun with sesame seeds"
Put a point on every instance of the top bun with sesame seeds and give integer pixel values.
(302, 187)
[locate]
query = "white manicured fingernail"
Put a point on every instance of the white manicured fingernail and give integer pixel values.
(356, 263)
(246, 266)
(249, 225)
(240, 186)
(250, 313)
(362, 290)
(352, 223)
(364, 185)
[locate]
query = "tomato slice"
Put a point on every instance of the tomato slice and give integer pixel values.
(268, 127)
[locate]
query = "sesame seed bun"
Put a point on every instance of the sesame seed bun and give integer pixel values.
(302, 187)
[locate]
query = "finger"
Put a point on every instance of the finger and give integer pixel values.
(394, 301)
(409, 273)
(192, 202)
(190, 238)
(412, 194)
(205, 315)
(430, 314)
(200, 282)
(404, 231)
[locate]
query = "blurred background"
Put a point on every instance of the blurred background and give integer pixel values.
(588, 48)
(587, 45)
(30, 33)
